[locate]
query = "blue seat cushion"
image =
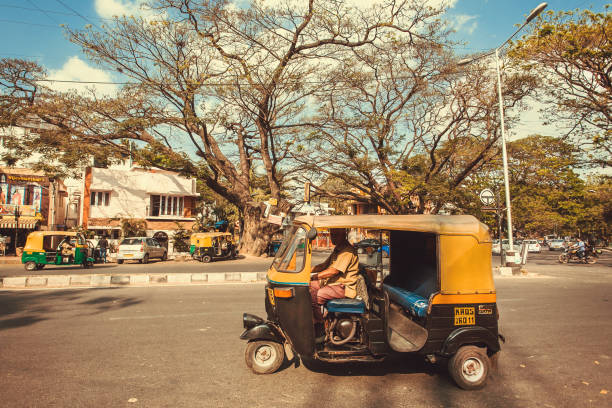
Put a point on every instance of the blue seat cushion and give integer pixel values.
(416, 303)
(346, 306)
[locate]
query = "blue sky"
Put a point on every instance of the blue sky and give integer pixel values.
(30, 29)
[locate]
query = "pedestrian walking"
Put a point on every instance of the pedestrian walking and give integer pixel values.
(103, 245)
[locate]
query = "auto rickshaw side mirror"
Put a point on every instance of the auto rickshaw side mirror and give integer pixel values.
(312, 234)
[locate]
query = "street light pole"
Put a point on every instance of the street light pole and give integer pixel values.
(534, 13)
(504, 153)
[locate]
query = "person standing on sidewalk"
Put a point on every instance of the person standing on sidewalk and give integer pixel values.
(103, 245)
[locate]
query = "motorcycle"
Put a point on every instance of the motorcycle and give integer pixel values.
(571, 254)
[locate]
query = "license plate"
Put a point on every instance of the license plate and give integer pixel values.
(464, 316)
(128, 255)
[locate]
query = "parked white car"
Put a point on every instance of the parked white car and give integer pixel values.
(141, 249)
(532, 245)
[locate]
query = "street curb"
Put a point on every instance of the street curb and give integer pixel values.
(144, 279)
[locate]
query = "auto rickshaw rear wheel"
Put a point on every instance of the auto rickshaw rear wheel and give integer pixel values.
(264, 356)
(206, 258)
(30, 266)
(470, 367)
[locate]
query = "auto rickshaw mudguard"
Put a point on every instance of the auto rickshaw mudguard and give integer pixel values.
(264, 331)
(470, 335)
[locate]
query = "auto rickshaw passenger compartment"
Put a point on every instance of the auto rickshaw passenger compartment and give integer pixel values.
(412, 279)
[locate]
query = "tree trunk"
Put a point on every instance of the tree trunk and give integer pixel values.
(256, 231)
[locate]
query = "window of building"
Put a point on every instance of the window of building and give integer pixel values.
(166, 205)
(100, 198)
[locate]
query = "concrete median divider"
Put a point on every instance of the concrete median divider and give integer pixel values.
(156, 279)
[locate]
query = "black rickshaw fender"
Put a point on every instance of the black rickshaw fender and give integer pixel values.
(474, 335)
(264, 331)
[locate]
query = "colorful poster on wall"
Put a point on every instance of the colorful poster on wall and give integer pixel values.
(37, 198)
(17, 195)
(4, 208)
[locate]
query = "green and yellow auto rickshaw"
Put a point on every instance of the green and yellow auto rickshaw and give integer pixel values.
(209, 246)
(56, 248)
(434, 296)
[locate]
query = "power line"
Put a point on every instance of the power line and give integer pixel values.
(77, 13)
(43, 11)
(27, 23)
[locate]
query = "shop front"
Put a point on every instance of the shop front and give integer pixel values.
(24, 205)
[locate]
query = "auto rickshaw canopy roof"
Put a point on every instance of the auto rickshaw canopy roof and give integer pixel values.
(34, 242)
(437, 224)
(208, 236)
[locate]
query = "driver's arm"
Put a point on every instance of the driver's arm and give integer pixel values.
(327, 273)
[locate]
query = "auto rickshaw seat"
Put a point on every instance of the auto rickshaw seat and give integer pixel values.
(415, 303)
(346, 305)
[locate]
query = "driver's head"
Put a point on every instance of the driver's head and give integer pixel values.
(337, 235)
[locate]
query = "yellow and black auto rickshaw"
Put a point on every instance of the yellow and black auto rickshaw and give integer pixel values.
(434, 296)
(209, 246)
(56, 248)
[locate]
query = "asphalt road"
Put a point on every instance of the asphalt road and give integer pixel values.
(179, 347)
(242, 264)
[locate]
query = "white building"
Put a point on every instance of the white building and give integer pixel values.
(161, 198)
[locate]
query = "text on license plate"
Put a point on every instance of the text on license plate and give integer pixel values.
(128, 255)
(464, 316)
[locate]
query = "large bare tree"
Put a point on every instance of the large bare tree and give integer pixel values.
(405, 128)
(221, 92)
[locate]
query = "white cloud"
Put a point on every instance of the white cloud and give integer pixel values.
(465, 22)
(110, 8)
(75, 69)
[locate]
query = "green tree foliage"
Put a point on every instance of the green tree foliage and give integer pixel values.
(571, 52)
(180, 239)
(133, 227)
(546, 192)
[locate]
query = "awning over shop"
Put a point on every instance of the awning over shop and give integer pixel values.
(24, 222)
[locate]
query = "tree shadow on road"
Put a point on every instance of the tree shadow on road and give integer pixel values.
(25, 308)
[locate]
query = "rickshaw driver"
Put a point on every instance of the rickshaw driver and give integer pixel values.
(336, 278)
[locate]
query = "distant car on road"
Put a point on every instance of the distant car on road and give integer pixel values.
(141, 249)
(556, 245)
(532, 245)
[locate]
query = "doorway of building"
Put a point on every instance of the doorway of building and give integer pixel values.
(162, 238)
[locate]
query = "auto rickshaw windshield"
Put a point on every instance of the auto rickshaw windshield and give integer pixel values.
(292, 252)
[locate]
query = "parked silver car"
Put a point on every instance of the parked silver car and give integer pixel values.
(141, 249)
(556, 245)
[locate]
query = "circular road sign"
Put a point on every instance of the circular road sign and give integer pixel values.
(487, 197)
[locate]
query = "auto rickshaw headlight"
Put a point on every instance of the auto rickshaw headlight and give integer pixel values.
(249, 321)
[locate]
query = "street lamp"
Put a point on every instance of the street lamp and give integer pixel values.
(534, 13)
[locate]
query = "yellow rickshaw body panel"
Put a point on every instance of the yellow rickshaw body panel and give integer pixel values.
(465, 266)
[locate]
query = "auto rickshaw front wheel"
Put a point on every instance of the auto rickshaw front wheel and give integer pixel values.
(469, 367)
(206, 258)
(264, 356)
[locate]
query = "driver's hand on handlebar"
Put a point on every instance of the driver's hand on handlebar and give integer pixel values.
(314, 276)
